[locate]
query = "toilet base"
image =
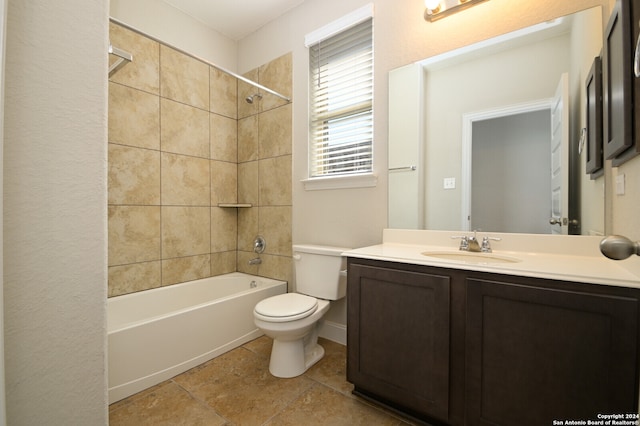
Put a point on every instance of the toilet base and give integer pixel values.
(292, 358)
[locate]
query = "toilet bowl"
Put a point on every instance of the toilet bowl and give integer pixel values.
(292, 319)
(295, 338)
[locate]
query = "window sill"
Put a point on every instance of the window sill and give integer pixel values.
(365, 180)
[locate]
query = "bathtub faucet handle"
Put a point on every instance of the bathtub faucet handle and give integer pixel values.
(259, 244)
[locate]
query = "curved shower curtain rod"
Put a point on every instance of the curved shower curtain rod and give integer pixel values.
(123, 59)
(239, 77)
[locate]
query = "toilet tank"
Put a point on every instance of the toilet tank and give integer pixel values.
(318, 271)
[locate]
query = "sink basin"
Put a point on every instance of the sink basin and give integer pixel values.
(471, 257)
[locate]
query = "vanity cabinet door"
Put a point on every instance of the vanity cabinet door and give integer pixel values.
(537, 354)
(398, 338)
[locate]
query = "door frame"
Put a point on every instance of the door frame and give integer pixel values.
(467, 145)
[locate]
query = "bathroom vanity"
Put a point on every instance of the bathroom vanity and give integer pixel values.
(541, 329)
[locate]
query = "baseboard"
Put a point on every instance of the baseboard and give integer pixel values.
(333, 331)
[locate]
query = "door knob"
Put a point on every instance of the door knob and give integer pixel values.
(617, 247)
(554, 221)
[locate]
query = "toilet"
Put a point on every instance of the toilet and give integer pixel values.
(292, 319)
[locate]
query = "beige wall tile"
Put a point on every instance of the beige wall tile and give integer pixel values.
(223, 263)
(185, 180)
(184, 129)
(275, 132)
(185, 231)
(224, 182)
(182, 269)
(134, 117)
(135, 277)
(184, 78)
(224, 93)
(275, 227)
(134, 234)
(198, 154)
(277, 75)
(275, 181)
(248, 183)
(134, 175)
(248, 139)
(243, 263)
(224, 138)
(248, 228)
(224, 229)
(277, 267)
(144, 71)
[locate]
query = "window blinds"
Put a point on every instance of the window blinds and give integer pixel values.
(341, 110)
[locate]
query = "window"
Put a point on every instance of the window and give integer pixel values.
(341, 102)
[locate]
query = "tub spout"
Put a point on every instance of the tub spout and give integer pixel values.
(255, 261)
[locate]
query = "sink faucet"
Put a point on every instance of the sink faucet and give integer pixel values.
(470, 243)
(473, 243)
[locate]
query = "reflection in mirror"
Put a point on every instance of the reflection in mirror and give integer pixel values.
(442, 116)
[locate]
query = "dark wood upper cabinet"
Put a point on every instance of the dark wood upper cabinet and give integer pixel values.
(618, 90)
(617, 82)
(593, 146)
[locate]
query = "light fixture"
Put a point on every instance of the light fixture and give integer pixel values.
(437, 9)
(432, 5)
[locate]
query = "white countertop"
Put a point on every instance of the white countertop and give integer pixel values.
(568, 258)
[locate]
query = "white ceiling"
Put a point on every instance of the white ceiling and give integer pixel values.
(235, 19)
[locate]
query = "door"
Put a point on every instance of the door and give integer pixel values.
(559, 220)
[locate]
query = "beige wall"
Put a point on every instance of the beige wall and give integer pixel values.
(55, 202)
(163, 21)
(175, 142)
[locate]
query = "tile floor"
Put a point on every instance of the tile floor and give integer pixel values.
(237, 389)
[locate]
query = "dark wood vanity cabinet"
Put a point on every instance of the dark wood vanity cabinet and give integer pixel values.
(541, 353)
(398, 337)
(472, 348)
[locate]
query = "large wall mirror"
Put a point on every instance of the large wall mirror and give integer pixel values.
(487, 137)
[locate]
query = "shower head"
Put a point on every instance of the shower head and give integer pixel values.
(250, 99)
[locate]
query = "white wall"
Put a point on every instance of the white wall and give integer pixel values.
(55, 203)
(172, 26)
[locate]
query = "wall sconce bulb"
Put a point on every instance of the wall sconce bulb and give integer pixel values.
(437, 9)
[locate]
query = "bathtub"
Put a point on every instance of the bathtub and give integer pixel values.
(156, 334)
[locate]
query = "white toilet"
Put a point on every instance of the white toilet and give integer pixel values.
(291, 319)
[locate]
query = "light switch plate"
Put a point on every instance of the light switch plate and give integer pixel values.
(449, 183)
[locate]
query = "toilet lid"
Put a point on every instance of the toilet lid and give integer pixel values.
(286, 307)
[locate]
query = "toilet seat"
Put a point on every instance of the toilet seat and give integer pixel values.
(286, 307)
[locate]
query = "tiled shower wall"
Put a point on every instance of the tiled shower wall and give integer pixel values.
(182, 140)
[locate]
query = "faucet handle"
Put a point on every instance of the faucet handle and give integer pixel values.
(486, 246)
(464, 241)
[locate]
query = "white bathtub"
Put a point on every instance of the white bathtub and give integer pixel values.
(156, 334)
